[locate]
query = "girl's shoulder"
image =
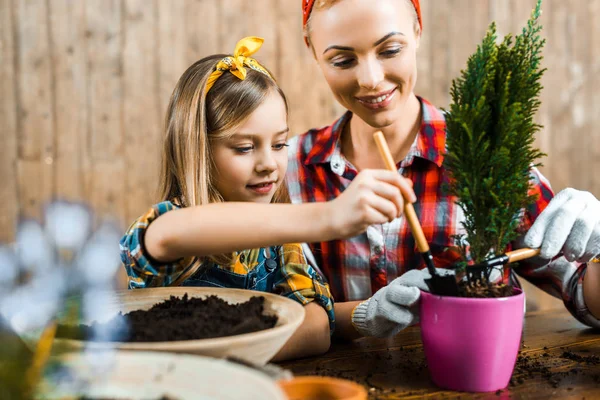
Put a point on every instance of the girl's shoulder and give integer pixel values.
(165, 206)
(141, 223)
(157, 210)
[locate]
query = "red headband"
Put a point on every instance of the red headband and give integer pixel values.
(307, 6)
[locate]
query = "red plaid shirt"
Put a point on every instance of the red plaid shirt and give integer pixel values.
(357, 267)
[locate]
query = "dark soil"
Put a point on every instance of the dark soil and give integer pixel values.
(481, 289)
(181, 319)
(406, 368)
(530, 367)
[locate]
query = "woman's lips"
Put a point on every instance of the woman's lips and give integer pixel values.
(377, 102)
(262, 188)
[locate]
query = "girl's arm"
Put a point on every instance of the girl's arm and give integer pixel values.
(227, 227)
(343, 320)
(311, 338)
(374, 197)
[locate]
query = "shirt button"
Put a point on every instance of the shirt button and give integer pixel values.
(270, 264)
(377, 249)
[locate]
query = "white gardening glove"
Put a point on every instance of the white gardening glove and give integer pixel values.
(393, 307)
(571, 224)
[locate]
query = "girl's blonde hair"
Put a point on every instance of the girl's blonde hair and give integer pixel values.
(195, 119)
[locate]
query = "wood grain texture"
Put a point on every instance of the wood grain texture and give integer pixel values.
(141, 106)
(9, 207)
(70, 97)
(35, 107)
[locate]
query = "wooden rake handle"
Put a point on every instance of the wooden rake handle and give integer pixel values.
(522, 254)
(409, 210)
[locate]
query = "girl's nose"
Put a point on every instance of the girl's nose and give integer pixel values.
(370, 74)
(266, 162)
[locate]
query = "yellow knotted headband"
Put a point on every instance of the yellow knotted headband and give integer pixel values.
(237, 63)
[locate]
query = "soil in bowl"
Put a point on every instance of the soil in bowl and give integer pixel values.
(180, 319)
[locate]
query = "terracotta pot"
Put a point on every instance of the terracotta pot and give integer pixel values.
(322, 388)
(471, 344)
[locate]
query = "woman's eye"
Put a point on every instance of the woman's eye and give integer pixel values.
(280, 146)
(391, 52)
(345, 63)
(243, 150)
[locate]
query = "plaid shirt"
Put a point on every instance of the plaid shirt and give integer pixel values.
(293, 277)
(357, 267)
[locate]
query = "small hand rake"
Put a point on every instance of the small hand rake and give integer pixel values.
(502, 259)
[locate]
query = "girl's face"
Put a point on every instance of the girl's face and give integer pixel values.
(251, 164)
(367, 52)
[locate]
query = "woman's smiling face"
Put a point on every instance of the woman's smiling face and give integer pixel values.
(367, 52)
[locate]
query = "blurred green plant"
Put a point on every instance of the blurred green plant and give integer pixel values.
(48, 267)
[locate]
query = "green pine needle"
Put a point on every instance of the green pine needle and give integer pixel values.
(491, 132)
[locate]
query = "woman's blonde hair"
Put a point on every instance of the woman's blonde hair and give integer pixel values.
(195, 119)
(325, 4)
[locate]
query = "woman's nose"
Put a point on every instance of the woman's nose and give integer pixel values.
(370, 74)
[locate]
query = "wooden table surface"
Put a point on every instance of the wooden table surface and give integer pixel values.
(395, 368)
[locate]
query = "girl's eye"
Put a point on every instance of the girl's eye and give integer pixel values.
(243, 150)
(344, 63)
(390, 52)
(280, 146)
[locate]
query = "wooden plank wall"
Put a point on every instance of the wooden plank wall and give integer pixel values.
(84, 86)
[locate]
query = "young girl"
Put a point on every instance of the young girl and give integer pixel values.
(224, 162)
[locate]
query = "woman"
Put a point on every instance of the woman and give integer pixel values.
(367, 52)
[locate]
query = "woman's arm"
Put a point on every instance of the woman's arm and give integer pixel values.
(311, 338)
(591, 289)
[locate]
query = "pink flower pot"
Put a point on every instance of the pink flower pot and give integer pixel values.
(471, 344)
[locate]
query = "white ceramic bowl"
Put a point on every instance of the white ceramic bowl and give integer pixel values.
(148, 375)
(257, 347)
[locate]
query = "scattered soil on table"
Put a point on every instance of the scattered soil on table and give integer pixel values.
(531, 367)
(407, 368)
(181, 319)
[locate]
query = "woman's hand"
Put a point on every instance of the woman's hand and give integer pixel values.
(571, 224)
(373, 197)
(394, 307)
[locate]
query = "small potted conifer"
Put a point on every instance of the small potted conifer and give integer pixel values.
(471, 342)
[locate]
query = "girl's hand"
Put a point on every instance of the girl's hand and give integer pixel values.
(374, 197)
